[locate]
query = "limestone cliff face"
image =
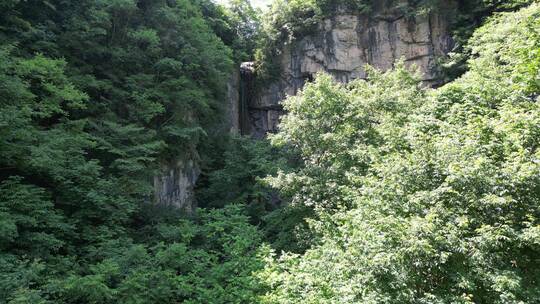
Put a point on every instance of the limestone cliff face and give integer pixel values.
(343, 45)
(175, 184)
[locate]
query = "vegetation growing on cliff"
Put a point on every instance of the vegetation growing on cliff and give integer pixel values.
(422, 196)
(94, 96)
(379, 191)
(291, 20)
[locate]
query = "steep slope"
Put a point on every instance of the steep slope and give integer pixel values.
(343, 44)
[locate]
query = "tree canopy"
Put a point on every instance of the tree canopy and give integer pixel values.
(377, 191)
(422, 196)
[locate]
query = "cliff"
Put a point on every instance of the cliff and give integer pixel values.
(342, 46)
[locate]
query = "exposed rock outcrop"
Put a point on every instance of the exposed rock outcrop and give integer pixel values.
(175, 184)
(343, 45)
(233, 106)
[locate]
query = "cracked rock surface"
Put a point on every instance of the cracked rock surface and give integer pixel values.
(343, 45)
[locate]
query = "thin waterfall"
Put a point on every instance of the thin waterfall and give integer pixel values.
(246, 93)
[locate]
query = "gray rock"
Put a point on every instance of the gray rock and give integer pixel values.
(342, 47)
(233, 102)
(175, 184)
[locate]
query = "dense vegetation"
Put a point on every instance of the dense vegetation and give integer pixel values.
(94, 96)
(421, 195)
(379, 191)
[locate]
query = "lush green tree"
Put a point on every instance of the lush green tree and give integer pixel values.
(94, 95)
(152, 70)
(241, 180)
(433, 195)
(54, 201)
(210, 260)
(244, 20)
(389, 192)
(246, 161)
(41, 143)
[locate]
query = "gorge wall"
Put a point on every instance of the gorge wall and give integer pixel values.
(342, 46)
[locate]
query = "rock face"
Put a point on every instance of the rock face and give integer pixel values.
(343, 45)
(233, 106)
(174, 185)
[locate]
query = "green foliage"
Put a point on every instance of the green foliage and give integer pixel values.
(423, 196)
(245, 162)
(205, 262)
(241, 180)
(40, 141)
(330, 126)
(287, 229)
(389, 192)
(470, 15)
(245, 25)
(93, 96)
(209, 260)
(29, 224)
